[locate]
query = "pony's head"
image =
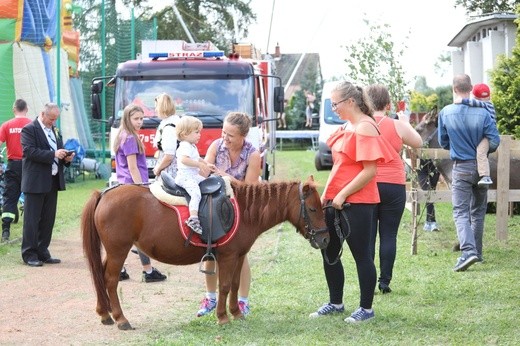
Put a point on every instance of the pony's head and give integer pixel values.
(427, 128)
(311, 223)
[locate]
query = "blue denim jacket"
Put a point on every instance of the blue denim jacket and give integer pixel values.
(461, 128)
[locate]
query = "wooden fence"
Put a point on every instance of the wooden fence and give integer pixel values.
(503, 196)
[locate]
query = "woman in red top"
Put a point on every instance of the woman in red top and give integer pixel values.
(351, 194)
(391, 182)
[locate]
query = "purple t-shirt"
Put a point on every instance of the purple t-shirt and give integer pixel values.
(129, 147)
(223, 162)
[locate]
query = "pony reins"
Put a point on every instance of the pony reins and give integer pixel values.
(338, 214)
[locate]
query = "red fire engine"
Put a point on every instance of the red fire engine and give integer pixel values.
(203, 83)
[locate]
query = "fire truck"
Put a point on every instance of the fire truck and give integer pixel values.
(204, 83)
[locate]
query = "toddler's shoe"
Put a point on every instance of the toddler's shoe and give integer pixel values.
(485, 181)
(194, 224)
(207, 305)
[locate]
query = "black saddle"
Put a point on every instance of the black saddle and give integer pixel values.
(216, 212)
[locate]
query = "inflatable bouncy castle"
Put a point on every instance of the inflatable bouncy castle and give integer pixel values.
(29, 61)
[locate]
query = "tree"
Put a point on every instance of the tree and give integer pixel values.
(374, 59)
(423, 98)
(220, 21)
(421, 103)
(443, 64)
(480, 7)
(505, 79)
(422, 86)
(295, 113)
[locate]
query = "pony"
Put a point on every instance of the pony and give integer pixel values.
(427, 128)
(130, 215)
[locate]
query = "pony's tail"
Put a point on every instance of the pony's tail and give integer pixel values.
(92, 250)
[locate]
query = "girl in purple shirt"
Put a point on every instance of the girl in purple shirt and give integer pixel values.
(131, 169)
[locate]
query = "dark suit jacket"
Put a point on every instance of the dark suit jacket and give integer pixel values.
(38, 157)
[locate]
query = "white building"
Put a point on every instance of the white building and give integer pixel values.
(479, 44)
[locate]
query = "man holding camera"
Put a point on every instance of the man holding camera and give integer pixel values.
(43, 161)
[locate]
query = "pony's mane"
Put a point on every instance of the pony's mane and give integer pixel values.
(432, 116)
(259, 198)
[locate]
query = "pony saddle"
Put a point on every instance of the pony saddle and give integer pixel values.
(216, 213)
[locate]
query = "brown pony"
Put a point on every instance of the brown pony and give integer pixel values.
(130, 214)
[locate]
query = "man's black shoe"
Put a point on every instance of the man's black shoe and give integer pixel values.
(123, 275)
(5, 235)
(154, 276)
(51, 260)
(34, 263)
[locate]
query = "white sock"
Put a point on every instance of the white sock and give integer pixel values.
(149, 272)
(242, 299)
(211, 295)
(337, 306)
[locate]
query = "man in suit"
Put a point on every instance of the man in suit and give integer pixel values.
(43, 161)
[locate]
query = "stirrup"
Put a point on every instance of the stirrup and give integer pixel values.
(207, 257)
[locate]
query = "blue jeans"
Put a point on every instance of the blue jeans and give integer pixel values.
(469, 207)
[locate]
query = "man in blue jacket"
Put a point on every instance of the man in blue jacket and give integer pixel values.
(461, 128)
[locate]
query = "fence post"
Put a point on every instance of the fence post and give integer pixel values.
(413, 198)
(503, 170)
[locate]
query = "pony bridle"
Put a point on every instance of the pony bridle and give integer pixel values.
(310, 232)
(426, 143)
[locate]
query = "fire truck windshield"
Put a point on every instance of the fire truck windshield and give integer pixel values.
(210, 100)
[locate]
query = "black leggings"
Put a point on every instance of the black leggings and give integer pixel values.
(360, 217)
(387, 218)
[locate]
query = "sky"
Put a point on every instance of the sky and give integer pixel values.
(325, 26)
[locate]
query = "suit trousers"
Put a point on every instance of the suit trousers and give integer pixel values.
(38, 222)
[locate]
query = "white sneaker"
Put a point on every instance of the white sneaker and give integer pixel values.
(430, 226)
(360, 315)
(327, 309)
(485, 180)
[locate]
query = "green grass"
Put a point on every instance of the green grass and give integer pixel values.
(430, 304)
(70, 205)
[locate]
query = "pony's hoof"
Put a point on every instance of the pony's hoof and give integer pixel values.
(223, 320)
(239, 317)
(125, 326)
(107, 321)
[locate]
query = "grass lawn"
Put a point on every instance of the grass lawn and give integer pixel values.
(430, 304)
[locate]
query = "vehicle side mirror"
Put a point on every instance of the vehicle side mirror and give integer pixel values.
(95, 102)
(278, 99)
(95, 106)
(96, 87)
